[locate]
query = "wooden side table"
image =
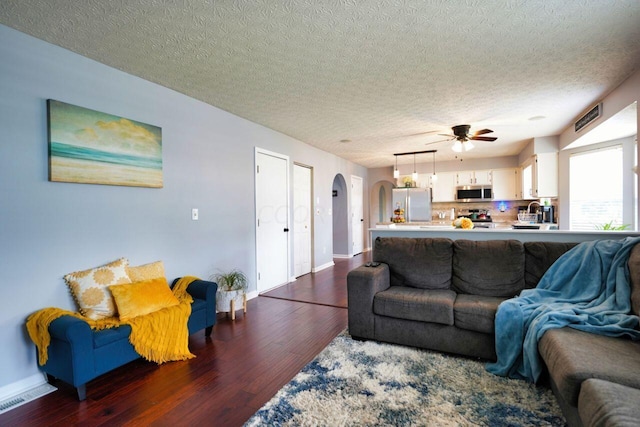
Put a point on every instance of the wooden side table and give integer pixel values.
(233, 306)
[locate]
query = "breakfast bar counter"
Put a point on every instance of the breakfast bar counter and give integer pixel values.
(499, 233)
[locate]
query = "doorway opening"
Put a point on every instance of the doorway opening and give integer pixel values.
(340, 207)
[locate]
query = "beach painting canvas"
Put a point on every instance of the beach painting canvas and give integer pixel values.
(87, 146)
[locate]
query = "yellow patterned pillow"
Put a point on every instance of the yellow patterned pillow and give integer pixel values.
(137, 299)
(90, 288)
(149, 271)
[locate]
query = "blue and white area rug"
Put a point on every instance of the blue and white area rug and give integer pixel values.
(353, 383)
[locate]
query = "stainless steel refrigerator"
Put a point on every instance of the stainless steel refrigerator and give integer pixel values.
(416, 203)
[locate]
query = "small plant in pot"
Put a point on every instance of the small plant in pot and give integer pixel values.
(232, 288)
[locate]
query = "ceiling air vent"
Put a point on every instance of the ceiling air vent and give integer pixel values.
(593, 114)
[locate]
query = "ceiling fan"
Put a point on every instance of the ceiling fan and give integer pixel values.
(463, 138)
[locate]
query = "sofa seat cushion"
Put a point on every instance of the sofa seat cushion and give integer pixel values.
(572, 356)
(493, 268)
(426, 305)
(416, 262)
(476, 313)
(603, 403)
(107, 336)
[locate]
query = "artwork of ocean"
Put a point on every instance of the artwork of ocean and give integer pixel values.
(87, 146)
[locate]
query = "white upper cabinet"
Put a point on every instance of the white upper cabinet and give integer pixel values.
(474, 177)
(444, 188)
(540, 176)
(505, 184)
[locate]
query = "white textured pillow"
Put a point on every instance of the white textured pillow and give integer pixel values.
(90, 288)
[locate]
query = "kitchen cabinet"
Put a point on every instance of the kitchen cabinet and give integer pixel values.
(505, 184)
(540, 176)
(444, 188)
(481, 177)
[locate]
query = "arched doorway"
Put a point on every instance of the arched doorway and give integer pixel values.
(380, 202)
(340, 217)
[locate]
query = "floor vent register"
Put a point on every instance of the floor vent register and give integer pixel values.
(25, 397)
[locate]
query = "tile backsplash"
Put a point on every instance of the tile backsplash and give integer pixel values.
(510, 212)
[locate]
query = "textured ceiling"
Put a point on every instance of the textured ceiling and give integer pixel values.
(372, 72)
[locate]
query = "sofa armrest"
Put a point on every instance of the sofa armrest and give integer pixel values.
(71, 329)
(203, 289)
(70, 351)
(363, 283)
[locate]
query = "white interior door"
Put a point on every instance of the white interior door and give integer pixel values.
(272, 220)
(357, 218)
(302, 217)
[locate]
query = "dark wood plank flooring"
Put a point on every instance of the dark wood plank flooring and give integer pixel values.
(236, 371)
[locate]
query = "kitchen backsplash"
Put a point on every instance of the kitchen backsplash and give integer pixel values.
(510, 209)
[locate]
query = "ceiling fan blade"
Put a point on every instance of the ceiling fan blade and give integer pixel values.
(436, 142)
(482, 132)
(420, 133)
(446, 134)
(483, 138)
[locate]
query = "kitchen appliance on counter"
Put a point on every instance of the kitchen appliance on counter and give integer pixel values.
(481, 218)
(548, 214)
(416, 203)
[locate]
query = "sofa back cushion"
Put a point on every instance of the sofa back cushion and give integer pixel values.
(493, 268)
(417, 262)
(538, 257)
(634, 272)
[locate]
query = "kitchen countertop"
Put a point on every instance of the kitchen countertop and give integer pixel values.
(495, 225)
(502, 231)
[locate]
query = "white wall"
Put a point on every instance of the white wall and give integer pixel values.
(49, 229)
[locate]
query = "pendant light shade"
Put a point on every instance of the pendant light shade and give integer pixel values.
(396, 172)
(434, 177)
(414, 175)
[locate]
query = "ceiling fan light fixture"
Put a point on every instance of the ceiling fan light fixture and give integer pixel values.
(467, 146)
(457, 147)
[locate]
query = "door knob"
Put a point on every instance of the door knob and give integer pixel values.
(286, 230)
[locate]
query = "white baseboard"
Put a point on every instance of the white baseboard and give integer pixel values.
(21, 386)
(342, 256)
(252, 295)
(292, 279)
(322, 267)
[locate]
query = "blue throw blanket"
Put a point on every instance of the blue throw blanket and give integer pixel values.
(587, 288)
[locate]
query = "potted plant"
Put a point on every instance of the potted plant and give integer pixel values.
(232, 291)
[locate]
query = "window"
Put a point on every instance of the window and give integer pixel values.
(596, 188)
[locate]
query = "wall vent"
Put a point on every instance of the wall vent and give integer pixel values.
(25, 397)
(591, 115)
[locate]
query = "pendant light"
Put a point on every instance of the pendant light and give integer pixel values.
(434, 177)
(396, 172)
(414, 175)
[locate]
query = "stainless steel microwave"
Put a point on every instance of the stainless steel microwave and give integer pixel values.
(474, 193)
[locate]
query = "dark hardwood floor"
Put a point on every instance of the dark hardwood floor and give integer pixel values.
(236, 371)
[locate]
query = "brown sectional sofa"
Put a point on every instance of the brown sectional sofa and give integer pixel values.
(443, 295)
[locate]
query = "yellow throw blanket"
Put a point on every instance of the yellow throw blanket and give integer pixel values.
(161, 336)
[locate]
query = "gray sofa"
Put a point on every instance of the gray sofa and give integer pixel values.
(443, 295)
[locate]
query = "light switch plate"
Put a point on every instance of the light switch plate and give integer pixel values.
(194, 214)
